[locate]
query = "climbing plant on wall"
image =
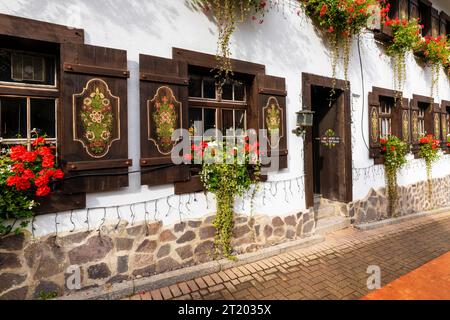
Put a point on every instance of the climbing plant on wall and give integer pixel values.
(429, 151)
(341, 20)
(394, 151)
(406, 38)
(228, 13)
(227, 173)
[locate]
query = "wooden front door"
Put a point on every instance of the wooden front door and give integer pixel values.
(328, 158)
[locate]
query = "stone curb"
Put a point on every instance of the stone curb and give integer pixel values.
(391, 221)
(131, 287)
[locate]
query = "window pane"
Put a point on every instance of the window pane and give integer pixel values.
(13, 117)
(227, 91)
(239, 91)
(209, 88)
(195, 87)
(210, 119)
(29, 68)
(239, 120)
(43, 117)
(227, 121)
(195, 121)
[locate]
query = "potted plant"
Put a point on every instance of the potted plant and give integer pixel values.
(436, 51)
(394, 151)
(406, 38)
(25, 179)
(342, 20)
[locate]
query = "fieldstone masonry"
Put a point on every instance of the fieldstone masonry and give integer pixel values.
(31, 266)
(411, 199)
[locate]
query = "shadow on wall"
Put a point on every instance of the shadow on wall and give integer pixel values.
(135, 16)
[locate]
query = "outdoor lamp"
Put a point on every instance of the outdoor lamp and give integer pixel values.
(304, 120)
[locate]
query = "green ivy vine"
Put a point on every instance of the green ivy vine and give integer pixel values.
(394, 151)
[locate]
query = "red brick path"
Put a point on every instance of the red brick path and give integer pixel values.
(334, 269)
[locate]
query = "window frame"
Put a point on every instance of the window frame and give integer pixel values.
(28, 140)
(429, 118)
(401, 105)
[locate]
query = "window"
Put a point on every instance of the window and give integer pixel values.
(22, 68)
(424, 14)
(216, 106)
(398, 9)
(21, 116)
(31, 105)
(385, 114)
(421, 128)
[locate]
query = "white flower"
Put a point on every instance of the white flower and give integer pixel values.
(32, 205)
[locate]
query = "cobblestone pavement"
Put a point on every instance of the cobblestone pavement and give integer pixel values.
(334, 269)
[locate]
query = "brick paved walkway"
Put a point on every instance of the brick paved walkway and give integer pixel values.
(334, 269)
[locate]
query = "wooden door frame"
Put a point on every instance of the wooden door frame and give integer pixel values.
(309, 80)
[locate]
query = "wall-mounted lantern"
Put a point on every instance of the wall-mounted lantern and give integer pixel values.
(304, 120)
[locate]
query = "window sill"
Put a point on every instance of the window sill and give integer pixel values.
(58, 201)
(385, 34)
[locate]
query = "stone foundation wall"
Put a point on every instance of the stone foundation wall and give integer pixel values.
(31, 266)
(412, 199)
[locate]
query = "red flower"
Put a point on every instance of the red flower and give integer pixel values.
(43, 191)
(44, 151)
(58, 174)
(48, 161)
(18, 168)
(38, 141)
(323, 10)
(188, 157)
(23, 184)
(17, 152)
(28, 174)
(29, 156)
(41, 181)
(392, 148)
(331, 30)
(11, 181)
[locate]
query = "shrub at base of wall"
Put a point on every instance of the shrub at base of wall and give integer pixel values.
(30, 267)
(411, 199)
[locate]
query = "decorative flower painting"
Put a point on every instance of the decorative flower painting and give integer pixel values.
(96, 118)
(164, 119)
(272, 116)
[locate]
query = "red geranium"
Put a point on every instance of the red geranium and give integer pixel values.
(32, 170)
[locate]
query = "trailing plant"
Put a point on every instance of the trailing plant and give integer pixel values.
(437, 54)
(25, 176)
(227, 173)
(342, 19)
(429, 151)
(394, 151)
(228, 13)
(406, 38)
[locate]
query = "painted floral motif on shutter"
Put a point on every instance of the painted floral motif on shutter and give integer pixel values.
(96, 118)
(415, 126)
(163, 116)
(374, 134)
(272, 123)
(444, 127)
(405, 125)
(437, 126)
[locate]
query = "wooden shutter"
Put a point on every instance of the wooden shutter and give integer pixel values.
(444, 21)
(414, 109)
(374, 125)
(435, 22)
(93, 110)
(436, 121)
(405, 121)
(271, 104)
(444, 124)
(162, 81)
(414, 9)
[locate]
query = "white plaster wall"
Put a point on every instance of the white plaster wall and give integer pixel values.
(286, 43)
